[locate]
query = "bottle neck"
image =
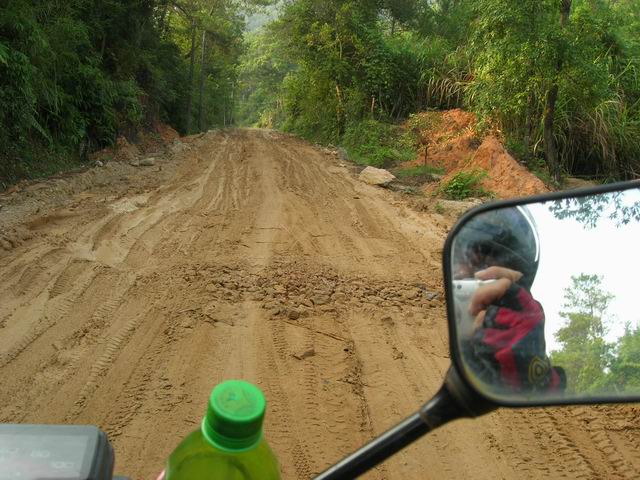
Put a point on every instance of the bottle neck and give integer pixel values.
(228, 444)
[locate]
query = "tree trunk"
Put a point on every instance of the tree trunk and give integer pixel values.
(340, 111)
(531, 97)
(103, 46)
(191, 68)
(550, 147)
(528, 128)
(232, 107)
(162, 23)
(201, 101)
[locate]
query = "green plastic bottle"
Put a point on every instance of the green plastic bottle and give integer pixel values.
(229, 445)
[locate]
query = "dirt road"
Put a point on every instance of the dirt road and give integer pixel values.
(255, 256)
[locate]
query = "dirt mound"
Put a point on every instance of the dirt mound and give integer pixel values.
(459, 119)
(167, 133)
(118, 165)
(122, 151)
(440, 132)
(505, 176)
(152, 142)
(449, 141)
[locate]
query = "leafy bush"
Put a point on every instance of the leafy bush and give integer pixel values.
(464, 185)
(370, 142)
(310, 105)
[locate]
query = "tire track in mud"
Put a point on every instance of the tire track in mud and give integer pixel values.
(36, 270)
(323, 361)
(135, 230)
(398, 355)
(143, 377)
(98, 320)
(316, 197)
(281, 410)
(104, 363)
(60, 354)
(598, 430)
(313, 439)
(623, 430)
(55, 310)
(567, 453)
(353, 377)
(523, 458)
(66, 279)
(211, 201)
(321, 413)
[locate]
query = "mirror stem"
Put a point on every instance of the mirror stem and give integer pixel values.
(442, 408)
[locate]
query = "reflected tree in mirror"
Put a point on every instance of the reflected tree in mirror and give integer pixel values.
(590, 209)
(585, 354)
(624, 374)
(592, 364)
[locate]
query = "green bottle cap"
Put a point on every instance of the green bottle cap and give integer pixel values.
(234, 416)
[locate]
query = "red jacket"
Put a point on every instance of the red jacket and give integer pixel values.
(510, 347)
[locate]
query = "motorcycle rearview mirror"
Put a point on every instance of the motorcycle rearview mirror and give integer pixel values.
(541, 311)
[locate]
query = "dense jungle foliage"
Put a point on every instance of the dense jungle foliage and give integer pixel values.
(75, 74)
(559, 79)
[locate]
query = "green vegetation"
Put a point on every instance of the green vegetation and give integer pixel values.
(560, 80)
(590, 210)
(76, 74)
(370, 142)
(419, 171)
(593, 364)
(465, 185)
(624, 367)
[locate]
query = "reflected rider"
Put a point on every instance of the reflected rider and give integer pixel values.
(506, 345)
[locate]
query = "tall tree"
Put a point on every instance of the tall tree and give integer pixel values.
(585, 354)
(550, 147)
(625, 367)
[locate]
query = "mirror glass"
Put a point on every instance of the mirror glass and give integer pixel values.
(547, 299)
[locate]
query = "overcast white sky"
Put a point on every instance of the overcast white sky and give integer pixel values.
(568, 248)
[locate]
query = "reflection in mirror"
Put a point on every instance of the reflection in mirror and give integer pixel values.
(545, 298)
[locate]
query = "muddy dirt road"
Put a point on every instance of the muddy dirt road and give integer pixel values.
(255, 256)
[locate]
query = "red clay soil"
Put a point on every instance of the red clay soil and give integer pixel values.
(453, 144)
(167, 133)
(506, 177)
(148, 143)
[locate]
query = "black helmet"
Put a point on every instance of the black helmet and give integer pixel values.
(505, 237)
